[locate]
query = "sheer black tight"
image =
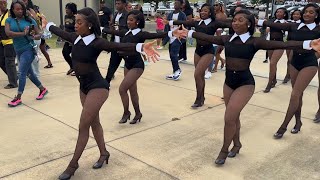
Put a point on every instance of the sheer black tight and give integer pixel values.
(235, 101)
(130, 83)
(274, 59)
(300, 80)
(91, 105)
(201, 64)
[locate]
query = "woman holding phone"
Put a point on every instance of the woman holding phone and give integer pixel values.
(23, 31)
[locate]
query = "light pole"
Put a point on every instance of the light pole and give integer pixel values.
(59, 40)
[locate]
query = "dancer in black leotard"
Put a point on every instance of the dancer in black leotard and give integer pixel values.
(87, 46)
(281, 15)
(240, 49)
(304, 64)
(134, 64)
(203, 54)
(295, 18)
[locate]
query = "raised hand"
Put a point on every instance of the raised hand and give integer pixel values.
(184, 32)
(315, 44)
(151, 53)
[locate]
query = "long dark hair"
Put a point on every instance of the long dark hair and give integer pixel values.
(92, 18)
(212, 14)
(72, 7)
(25, 16)
(286, 14)
(138, 15)
(250, 17)
(317, 20)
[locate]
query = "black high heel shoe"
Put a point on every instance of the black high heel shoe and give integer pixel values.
(234, 151)
(136, 119)
(198, 103)
(221, 159)
(279, 133)
(296, 128)
(268, 88)
(273, 84)
(69, 172)
(100, 162)
(125, 118)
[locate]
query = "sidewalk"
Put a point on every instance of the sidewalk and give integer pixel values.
(172, 141)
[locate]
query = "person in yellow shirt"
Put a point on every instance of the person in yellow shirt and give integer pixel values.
(7, 52)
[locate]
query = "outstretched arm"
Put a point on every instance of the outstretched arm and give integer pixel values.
(147, 35)
(68, 36)
(261, 43)
(185, 23)
(120, 33)
(278, 26)
(198, 35)
(144, 48)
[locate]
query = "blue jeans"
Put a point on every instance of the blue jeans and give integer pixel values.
(25, 60)
(213, 62)
(174, 49)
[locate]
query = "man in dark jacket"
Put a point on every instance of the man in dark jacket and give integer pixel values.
(175, 44)
(119, 22)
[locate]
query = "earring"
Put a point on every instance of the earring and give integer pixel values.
(89, 27)
(248, 26)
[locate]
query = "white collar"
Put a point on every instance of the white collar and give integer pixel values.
(206, 21)
(310, 26)
(244, 37)
(281, 20)
(87, 40)
(134, 31)
(299, 21)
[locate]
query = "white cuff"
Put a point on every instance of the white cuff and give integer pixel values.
(171, 23)
(139, 47)
(260, 22)
(50, 24)
(170, 34)
(190, 33)
(307, 45)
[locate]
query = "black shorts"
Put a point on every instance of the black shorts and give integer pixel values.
(133, 62)
(206, 49)
(236, 79)
(300, 61)
(92, 80)
(43, 41)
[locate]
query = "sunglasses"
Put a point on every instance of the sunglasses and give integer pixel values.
(216, 5)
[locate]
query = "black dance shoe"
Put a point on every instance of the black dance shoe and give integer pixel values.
(101, 160)
(234, 151)
(221, 159)
(279, 133)
(125, 118)
(69, 172)
(136, 119)
(296, 128)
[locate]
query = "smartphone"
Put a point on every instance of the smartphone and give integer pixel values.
(31, 28)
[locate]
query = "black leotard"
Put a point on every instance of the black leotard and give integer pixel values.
(240, 54)
(205, 47)
(301, 58)
(84, 58)
(133, 59)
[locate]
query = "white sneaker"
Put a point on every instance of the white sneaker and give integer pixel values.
(159, 47)
(182, 60)
(169, 77)
(176, 75)
(208, 75)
